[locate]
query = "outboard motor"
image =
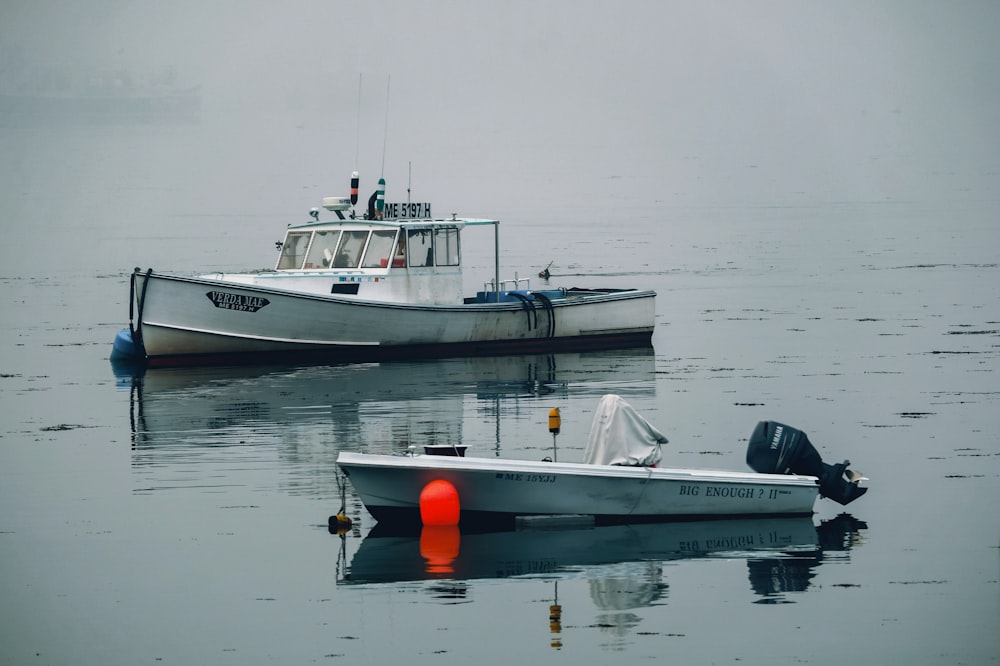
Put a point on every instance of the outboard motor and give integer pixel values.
(776, 448)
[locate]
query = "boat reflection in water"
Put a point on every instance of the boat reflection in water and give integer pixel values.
(623, 564)
(305, 415)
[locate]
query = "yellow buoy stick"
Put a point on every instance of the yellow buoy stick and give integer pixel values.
(555, 421)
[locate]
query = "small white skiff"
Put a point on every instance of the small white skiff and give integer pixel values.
(619, 480)
(497, 490)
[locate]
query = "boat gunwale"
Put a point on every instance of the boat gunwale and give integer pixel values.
(570, 299)
(472, 464)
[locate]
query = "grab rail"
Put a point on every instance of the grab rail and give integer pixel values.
(492, 285)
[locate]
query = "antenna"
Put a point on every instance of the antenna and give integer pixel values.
(357, 149)
(385, 132)
(357, 126)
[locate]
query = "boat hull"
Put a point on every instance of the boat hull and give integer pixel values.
(498, 490)
(194, 321)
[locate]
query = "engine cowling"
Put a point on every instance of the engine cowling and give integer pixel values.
(776, 448)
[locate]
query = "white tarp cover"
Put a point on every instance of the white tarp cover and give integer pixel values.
(620, 436)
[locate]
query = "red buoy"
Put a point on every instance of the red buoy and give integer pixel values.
(439, 503)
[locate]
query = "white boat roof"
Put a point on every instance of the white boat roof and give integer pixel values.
(422, 223)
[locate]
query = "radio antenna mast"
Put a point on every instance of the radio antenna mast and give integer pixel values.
(385, 132)
(357, 126)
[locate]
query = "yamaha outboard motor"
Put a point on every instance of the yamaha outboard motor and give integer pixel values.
(776, 448)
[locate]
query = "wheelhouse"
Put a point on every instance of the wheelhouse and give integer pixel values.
(369, 245)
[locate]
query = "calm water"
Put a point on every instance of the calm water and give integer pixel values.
(181, 516)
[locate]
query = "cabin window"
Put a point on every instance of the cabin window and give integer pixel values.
(322, 249)
(352, 244)
(419, 247)
(399, 259)
(446, 247)
(293, 250)
(379, 248)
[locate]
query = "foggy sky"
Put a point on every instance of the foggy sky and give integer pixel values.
(718, 101)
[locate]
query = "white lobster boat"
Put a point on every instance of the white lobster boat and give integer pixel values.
(369, 289)
(619, 481)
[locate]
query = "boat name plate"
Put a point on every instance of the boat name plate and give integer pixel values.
(241, 302)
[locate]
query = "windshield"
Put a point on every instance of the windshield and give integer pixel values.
(293, 250)
(321, 251)
(379, 247)
(334, 248)
(352, 244)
